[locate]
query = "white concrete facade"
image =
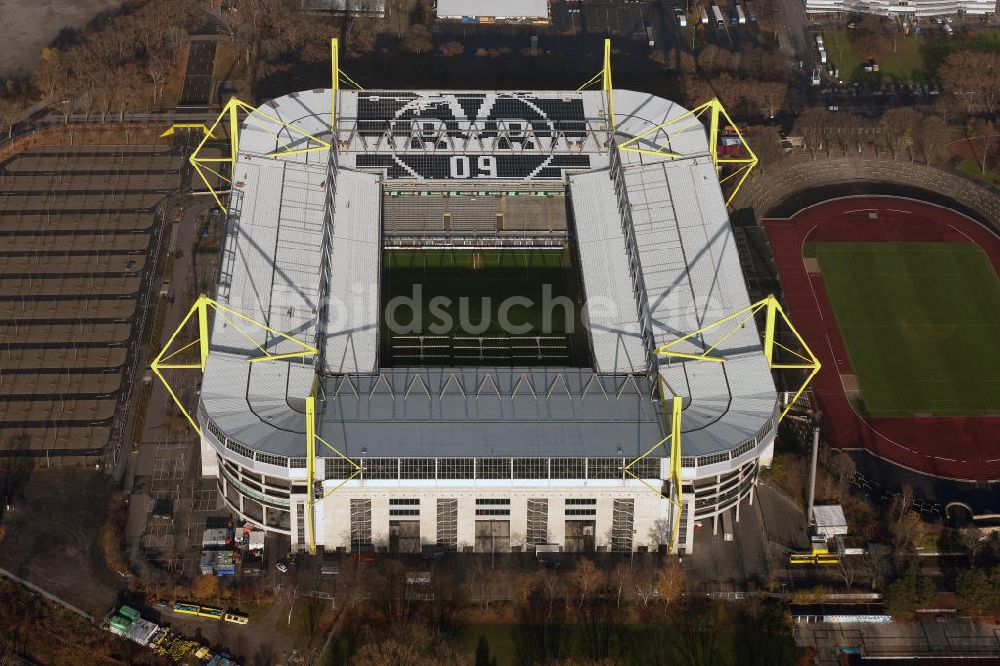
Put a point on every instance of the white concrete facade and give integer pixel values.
(918, 8)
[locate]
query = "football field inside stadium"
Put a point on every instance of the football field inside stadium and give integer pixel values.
(920, 322)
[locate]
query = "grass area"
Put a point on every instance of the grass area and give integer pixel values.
(227, 66)
(840, 50)
(629, 644)
(974, 169)
(497, 294)
(919, 321)
(905, 64)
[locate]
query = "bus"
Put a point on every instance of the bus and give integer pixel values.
(208, 611)
(236, 617)
(186, 609)
(717, 13)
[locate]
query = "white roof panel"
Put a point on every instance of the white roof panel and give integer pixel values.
(507, 8)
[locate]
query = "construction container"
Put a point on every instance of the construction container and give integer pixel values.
(129, 612)
(119, 625)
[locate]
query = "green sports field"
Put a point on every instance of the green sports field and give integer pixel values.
(921, 323)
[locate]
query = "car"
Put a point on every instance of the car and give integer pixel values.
(280, 566)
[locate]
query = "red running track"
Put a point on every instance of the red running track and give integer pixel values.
(965, 448)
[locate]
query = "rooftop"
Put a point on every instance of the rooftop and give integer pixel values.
(669, 268)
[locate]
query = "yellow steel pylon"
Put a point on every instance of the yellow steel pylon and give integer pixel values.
(336, 74)
(170, 130)
(201, 310)
(772, 309)
(230, 113)
(604, 76)
(715, 111)
(311, 439)
(676, 496)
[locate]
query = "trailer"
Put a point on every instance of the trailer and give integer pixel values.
(717, 14)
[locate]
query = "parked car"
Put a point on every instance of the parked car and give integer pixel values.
(280, 566)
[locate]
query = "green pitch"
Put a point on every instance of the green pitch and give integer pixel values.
(921, 322)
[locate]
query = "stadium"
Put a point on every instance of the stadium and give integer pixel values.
(899, 298)
(465, 319)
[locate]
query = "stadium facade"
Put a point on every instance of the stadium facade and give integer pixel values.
(481, 441)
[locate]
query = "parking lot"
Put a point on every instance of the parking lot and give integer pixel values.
(79, 227)
(171, 503)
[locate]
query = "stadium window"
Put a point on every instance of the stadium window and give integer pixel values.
(235, 446)
(531, 468)
(417, 468)
(492, 500)
(398, 501)
(713, 459)
(605, 468)
(580, 502)
(646, 468)
(456, 468)
(338, 468)
(568, 468)
(277, 461)
(492, 468)
(380, 468)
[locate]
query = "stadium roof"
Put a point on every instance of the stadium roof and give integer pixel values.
(672, 269)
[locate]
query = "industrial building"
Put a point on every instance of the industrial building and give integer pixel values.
(599, 218)
(483, 11)
(902, 8)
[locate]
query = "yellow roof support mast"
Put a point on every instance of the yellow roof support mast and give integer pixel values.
(804, 360)
(715, 111)
(239, 322)
(336, 76)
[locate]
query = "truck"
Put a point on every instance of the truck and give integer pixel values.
(682, 20)
(822, 56)
(704, 15)
(948, 30)
(717, 14)
(741, 18)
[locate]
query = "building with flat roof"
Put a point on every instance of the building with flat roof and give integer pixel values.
(902, 8)
(484, 11)
(486, 277)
